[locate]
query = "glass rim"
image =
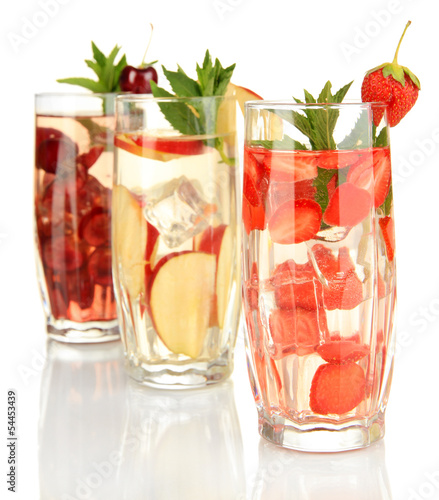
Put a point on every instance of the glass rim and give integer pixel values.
(40, 95)
(130, 97)
(289, 103)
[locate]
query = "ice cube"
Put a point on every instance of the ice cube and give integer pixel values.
(177, 209)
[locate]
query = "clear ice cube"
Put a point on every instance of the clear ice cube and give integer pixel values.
(177, 209)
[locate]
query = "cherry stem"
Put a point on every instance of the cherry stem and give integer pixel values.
(147, 47)
(395, 59)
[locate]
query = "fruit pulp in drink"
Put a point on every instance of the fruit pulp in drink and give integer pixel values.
(73, 175)
(175, 249)
(318, 297)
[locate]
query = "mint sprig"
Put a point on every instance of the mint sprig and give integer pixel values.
(106, 70)
(198, 117)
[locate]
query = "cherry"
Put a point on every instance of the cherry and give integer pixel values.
(56, 155)
(62, 254)
(99, 266)
(94, 227)
(138, 80)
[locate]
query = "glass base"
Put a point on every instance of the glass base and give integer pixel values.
(321, 436)
(83, 333)
(180, 376)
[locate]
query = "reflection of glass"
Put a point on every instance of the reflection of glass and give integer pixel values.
(175, 240)
(73, 180)
(182, 445)
(81, 420)
(359, 475)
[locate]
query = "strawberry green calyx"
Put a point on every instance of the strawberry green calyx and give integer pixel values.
(395, 70)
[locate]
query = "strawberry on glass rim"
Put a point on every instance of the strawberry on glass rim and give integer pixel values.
(393, 84)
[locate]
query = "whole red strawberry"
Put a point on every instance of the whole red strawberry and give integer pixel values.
(393, 84)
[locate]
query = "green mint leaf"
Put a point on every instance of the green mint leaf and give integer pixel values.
(286, 144)
(341, 93)
(359, 135)
(206, 75)
(179, 115)
(387, 204)
(86, 83)
(106, 70)
(98, 55)
(382, 140)
(223, 79)
(95, 67)
(321, 184)
(181, 84)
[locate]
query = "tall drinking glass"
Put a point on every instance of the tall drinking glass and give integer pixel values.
(319, 271)
(176, 260)
(73, 181)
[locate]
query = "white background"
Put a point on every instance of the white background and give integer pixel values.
(280, 47)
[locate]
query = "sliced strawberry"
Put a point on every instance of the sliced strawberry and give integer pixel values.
(337, 389)
(296, 285)
(295, 221)
(251, 193)
(388, 231)
(343, 288)
(295, 331)
(291, 166)
(348, 206)
(343, 351)
(374, 175)
(95, 227)
(91, 157)
(336, 159)
(99, 266)
(253, 217)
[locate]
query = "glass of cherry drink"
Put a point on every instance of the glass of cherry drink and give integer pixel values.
(318, 271)
(73, 186)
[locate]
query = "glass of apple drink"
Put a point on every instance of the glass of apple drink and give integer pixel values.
(176, 256)
(73, 181)
(318, 271)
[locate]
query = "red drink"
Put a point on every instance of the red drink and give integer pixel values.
(319, 292)
(73, 177)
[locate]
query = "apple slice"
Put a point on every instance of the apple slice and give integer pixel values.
(126, 142)
(129, 240)
(219, 241)
(181, 289)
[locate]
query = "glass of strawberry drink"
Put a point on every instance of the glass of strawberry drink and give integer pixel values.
(73, 179)
(319, 270)
(175, 244)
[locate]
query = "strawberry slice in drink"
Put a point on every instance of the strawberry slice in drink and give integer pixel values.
(375, 176)
(388, 231)
(295, 221)
(294, 331)
(342, 288)
(255, 188)
(296, 285)
(290, 166)
(342, 351)
(348, 206)
(337, 388)
(337, 159)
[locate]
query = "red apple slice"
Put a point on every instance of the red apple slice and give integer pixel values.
(126, 142)
(181, 292)
(129, 240)
(219, 241)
